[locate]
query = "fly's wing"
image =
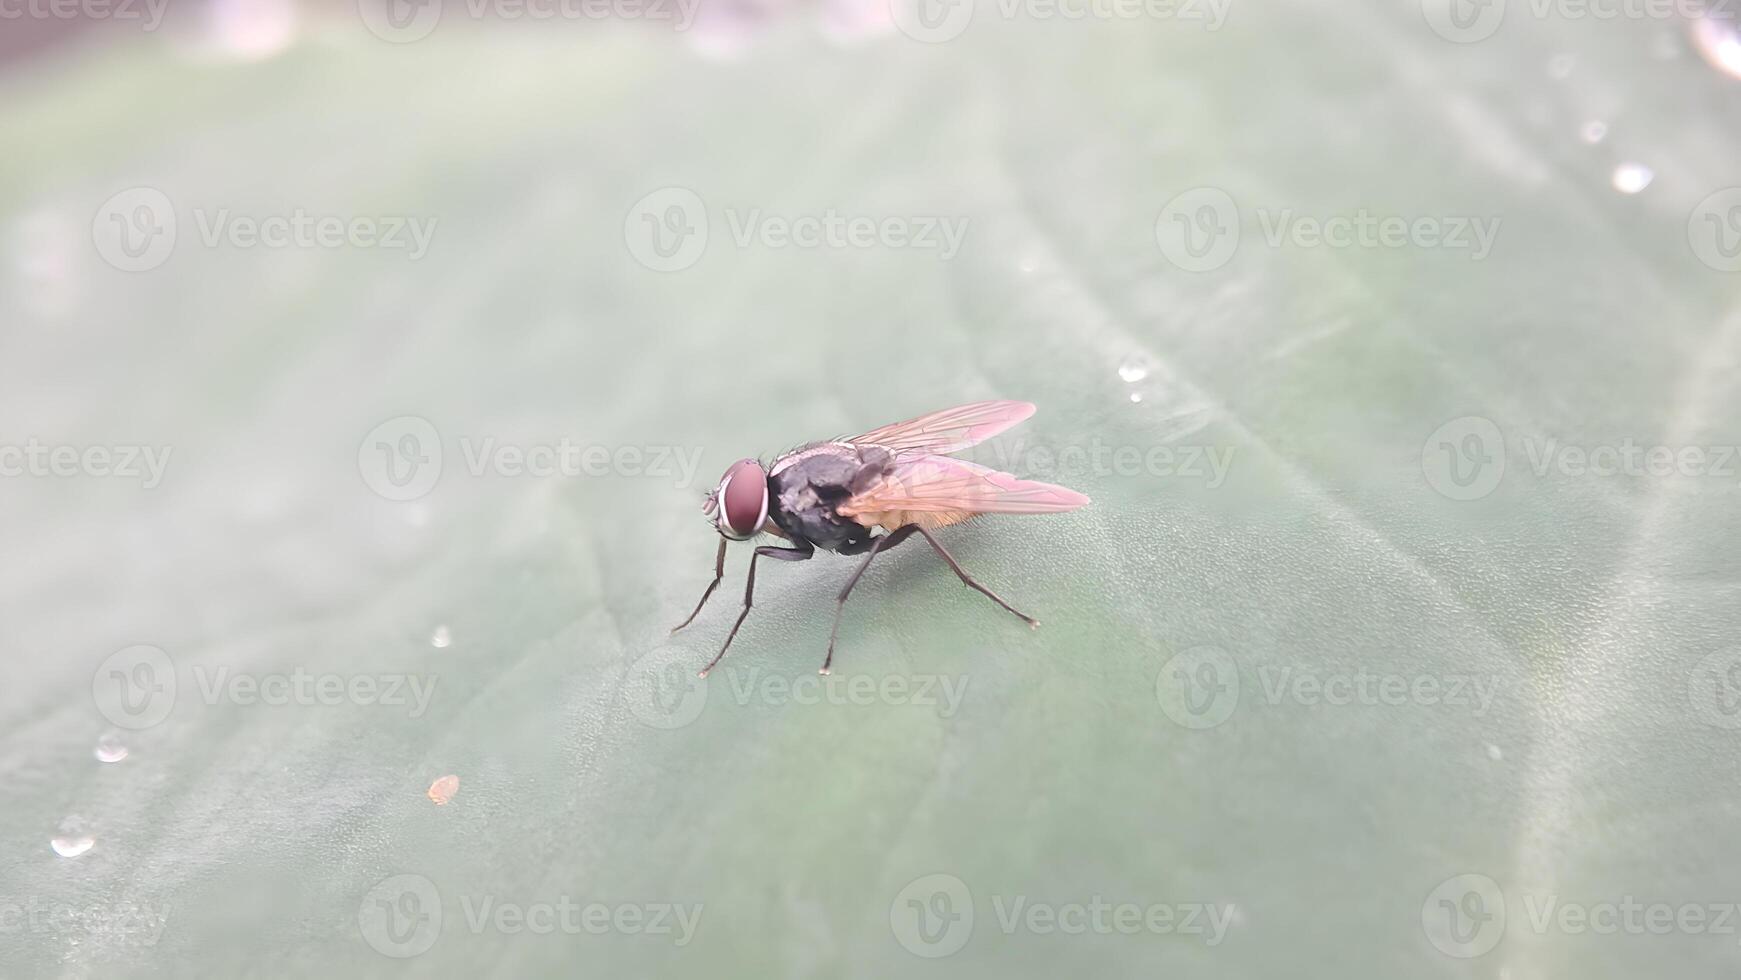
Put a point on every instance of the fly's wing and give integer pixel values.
(948, 431)
(936, 491)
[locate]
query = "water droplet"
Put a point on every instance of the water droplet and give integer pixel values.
(1719, 43)
(1494, 753)
(443, 789)
(1135, 397)
(442, 638)
(110, 749)
(1560, 66)
(1594, 131)
(72, 840)
(1630, 178)
(1133, 370)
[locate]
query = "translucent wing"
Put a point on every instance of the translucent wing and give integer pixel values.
(936, 491)
(948, 431)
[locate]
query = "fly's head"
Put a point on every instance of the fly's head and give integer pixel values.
(738, 507)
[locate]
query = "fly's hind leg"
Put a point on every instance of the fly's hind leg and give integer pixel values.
(876, 546)
(968, 580)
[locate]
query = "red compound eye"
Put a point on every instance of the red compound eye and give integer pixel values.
(743, 497)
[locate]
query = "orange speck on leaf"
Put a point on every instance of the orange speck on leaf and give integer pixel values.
(443, 789)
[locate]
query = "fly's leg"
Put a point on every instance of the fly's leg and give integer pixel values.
(782, 554)
(967, 580)
(718, 573)
(881, 544)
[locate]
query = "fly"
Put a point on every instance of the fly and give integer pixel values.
(869, 493)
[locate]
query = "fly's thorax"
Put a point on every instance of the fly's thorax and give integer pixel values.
(810, 484)
(812, 451)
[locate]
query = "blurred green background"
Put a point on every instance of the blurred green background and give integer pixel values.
(1349, 670)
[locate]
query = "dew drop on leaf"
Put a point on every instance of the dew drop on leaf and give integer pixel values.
(1630, 178)
(72, 840)
(109, 748)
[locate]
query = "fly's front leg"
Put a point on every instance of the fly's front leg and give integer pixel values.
(968, 580)
(877, 545)
(718, 573)
(782, 554)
